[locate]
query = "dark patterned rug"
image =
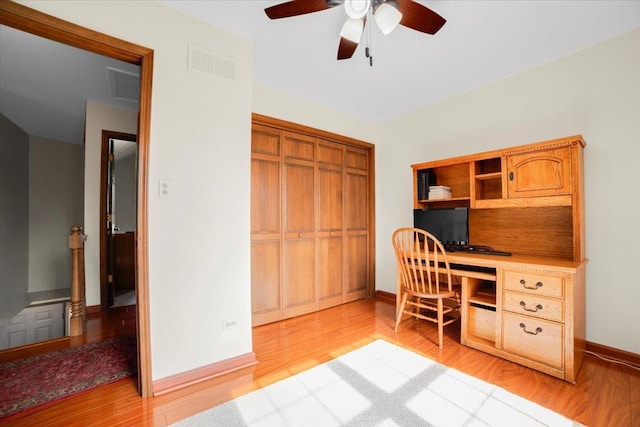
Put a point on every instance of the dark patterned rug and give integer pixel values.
(33, 381)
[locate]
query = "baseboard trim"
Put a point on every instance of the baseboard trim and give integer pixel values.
(34, 349)
(387, 296)
(614, 353)
(184, 379)
(92, 309)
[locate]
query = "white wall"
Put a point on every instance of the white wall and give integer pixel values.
(290, 107)
(199, 266)
(99, 117)
(56, 172)
(596, 93)
(14, 220)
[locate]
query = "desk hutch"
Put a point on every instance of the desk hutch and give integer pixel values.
(528, 308)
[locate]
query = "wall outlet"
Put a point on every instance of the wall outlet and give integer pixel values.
(163, 188)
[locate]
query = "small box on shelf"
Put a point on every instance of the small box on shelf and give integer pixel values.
(437, 192)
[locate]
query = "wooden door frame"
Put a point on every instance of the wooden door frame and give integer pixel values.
(32, 21)
(104, 158)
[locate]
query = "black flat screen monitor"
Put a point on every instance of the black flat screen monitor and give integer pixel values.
(449, 225)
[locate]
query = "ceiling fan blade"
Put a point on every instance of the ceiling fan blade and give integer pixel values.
(298, 7)
(419, 17)
(350, 37)
(346, 48)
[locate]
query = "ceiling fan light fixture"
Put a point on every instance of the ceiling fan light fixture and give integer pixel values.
(357, 9)
(352, 29)
(387, 16)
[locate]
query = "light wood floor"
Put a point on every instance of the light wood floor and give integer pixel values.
(605, 394)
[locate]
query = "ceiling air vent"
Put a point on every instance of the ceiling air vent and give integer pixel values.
(123, 85)
(203, 61)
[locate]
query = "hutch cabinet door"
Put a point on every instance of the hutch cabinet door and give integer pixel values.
(539, 173)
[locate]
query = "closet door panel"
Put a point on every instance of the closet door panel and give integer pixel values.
(357, 218)
(330, 271)
(266, 299)
(299, 199)
(357, 215)
(266, 244)
(330, 206)
(357, 266)
(265, 196)
(299, 255)
(299, 276)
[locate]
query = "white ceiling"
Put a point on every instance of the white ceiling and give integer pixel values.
(482, 42)
(44, 85)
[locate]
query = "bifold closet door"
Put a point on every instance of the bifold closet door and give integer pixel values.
(357, 224)
(266, 261)
(310, 223)
(299, 237)
(330, 223)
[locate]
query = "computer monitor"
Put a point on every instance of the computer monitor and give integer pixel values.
(449, 225)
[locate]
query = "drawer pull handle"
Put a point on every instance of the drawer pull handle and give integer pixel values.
(524, 285)
(533, 310)
(538, 329)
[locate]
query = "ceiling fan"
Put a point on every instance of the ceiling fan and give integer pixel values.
(388, 14)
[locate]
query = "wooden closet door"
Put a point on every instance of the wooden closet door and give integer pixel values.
(330, 220)
(266, 263)
(299, 238)
(357, 224)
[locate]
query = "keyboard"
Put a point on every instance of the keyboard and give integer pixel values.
(481, 249)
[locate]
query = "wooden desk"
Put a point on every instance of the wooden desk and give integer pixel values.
(523, 308)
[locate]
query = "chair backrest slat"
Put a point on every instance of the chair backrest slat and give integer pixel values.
(422, 261)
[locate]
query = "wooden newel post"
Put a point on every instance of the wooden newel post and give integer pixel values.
(76, 244)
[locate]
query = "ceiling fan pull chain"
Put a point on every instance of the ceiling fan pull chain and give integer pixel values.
(367, 50)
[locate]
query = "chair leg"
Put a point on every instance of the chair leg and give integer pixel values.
(400, 311)
(440, 321)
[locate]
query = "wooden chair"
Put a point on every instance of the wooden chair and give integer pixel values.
(425, 278)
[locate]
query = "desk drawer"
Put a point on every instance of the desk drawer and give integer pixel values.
(534, 305)
(536, 339)
(534, 283)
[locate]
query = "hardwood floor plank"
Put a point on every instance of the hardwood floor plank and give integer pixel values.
(610, 395)
(634, 385)
(604, 394)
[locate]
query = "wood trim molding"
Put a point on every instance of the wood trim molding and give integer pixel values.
(104, 161)
(93, 309)
(52, 28)
(614, 353)
(178, 381)
(34, 349)
(307, 130)
(387, 296)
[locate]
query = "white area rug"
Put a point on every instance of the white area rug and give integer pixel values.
(379, 384)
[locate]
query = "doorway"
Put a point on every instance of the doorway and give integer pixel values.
(118, 187)
(29, 20)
